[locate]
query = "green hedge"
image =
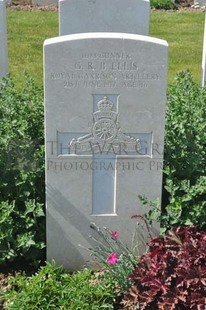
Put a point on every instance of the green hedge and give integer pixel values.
(163, 4)
(184, 194)
(22, 189)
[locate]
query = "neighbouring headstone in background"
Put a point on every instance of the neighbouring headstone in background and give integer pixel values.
(204, 57)
(4, 68)
(126, 16)
(45, 2)
(105, 98)
(199, 3)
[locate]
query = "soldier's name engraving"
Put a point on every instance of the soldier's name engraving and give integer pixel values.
(112, 65)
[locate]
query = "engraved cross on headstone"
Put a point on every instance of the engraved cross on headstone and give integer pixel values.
(106, 143)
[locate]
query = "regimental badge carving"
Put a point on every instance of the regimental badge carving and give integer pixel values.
(106, 134)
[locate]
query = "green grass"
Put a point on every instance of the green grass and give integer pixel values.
(184, 34)
(26, 34)
(28, 30)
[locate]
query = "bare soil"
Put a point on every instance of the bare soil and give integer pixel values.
(17, 5)
(26, 5)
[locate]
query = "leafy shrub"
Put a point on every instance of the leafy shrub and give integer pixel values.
(184, 195)
(184, 178)
(163, 4)
(172, 275)
(184, 3)
(52, 288)
(22, 219)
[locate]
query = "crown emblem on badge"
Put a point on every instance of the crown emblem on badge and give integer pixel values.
(105, 104)
(105, 110)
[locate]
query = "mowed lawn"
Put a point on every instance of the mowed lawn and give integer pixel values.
(27, 31)
(184, 34)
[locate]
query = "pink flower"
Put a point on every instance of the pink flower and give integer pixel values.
(112, 259)
(115, 234)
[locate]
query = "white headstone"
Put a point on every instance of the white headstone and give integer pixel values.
(199, 3)
(4, 69)
(105, 96)
(126, 16)
(204, 56)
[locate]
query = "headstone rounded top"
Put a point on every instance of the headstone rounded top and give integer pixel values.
(105, 35)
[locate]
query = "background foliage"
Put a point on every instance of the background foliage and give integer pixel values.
(185, 154)
(163, 4)
(22, 188)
